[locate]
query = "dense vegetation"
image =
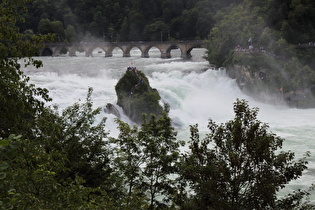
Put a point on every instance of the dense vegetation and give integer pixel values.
(122, 20)
(66, 160)
(266, 37)
(275, 27)
(272, 25)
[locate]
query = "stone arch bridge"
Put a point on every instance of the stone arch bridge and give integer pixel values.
(165, 48)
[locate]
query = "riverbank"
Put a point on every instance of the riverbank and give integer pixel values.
(274, 80)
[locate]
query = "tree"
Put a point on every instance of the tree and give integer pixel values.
(129, 159)
(58, 29)
(46, 26)
(147, 159)
(39, 168)
(31, 179)
(71, 34)
(85, 143)
(161, 158)
(300, 24)
(189, 24)
(238, 166)
(155, 30)
(66, 164)
(124, 30)
(20, 102)
(234, 26)
(76, 135)
(136, 26)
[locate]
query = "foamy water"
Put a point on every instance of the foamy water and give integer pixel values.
(194, 94)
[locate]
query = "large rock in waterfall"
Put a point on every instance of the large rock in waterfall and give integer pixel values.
(136, 96)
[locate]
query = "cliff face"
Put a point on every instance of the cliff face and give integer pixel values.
(136, 96)
(268, 81)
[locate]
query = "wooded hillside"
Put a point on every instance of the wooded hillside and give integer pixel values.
(125, 20)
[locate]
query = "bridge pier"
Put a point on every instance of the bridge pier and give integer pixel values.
(108, 54)
(72, 52)
(88, 51)
(126, 54)
(55, 54)
(165, 54)
(55, 51)
(145, 54)
(126, 50)
(185, 55)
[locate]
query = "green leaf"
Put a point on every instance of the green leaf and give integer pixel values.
(2, 175)
(4, 143)
(4, 166)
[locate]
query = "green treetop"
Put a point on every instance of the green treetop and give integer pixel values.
(238, 165)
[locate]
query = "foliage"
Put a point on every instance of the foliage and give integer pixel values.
(271, 25)
(265, 74)
(275, 74)
(128, 159)
(66, 164)
(32, 179)
(70, 33)
(147, 159)
(39, 166)
(139, 20)
(52, 160)
(76, 135)
(19, 101)
(238, 166)
(161, 151)
(121, 20)
(257, 37)
(46, 26)
(235, 25)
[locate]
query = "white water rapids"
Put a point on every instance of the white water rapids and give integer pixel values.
(194, 93)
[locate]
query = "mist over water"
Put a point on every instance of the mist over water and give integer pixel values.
(195, 94)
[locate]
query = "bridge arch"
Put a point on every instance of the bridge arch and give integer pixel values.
(47, 51)
(116, 49)
(170, 48)
(135, 48)
(187, 48)
(62, 50)
(126, 49)
(146, 49)
(73, 50)
(165, 48)
(89, 50)
(98, 51)
(54, 51)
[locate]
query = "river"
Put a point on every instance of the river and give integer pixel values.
(194, 91)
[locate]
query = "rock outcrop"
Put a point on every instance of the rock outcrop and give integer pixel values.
(136, 96)
(263, 85)
(111, 109)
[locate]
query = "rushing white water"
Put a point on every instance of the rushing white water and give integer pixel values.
(194, 92)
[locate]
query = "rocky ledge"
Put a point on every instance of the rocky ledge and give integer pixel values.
(136, 96)
(263, 86)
